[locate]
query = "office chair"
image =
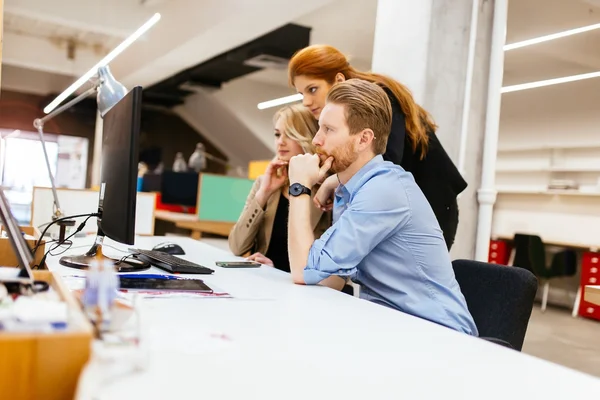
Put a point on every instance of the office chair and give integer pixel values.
(500, 299)
(530, 253)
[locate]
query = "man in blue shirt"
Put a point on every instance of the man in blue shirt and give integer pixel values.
(385, 235)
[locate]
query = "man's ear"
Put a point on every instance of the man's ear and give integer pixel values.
(339, 77)
(366, 137)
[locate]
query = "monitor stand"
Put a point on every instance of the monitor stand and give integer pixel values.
(131, 264)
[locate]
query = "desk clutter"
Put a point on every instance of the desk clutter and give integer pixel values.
(44, 341)
(42, 311)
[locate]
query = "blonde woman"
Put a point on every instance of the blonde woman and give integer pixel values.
(262, 226)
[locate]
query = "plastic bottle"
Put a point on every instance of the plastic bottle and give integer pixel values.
(102, 284)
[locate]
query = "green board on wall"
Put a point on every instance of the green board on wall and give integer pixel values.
(222, 198)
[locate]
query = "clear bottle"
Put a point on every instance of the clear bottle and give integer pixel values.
(102, 284)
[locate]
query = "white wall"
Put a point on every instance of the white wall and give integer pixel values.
(221, 123)
(30, 81)
(564, 116)
(241, 97)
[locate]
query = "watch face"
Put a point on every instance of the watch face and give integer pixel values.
(297, 189)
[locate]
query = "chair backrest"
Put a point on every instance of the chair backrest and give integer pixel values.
(500, 298)
(530, 253)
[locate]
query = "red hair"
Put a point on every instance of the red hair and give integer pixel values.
(325, 62)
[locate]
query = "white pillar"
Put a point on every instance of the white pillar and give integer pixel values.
(429, 46)
(97, 156)
(487, 193)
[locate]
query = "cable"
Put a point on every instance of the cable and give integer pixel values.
(67, 239)
(39, 242)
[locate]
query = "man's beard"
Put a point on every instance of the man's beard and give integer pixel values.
(343, 157)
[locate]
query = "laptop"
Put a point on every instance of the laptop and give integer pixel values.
(19, 245)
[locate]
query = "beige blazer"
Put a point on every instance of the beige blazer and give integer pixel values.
(252, 232)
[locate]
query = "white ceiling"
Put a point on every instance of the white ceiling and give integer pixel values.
(350, 24)
(28, 25)
(346, 24)
(571, 55)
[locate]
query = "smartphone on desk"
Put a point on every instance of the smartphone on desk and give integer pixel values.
(238, 264)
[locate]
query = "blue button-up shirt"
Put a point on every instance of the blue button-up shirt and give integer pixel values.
(385, 237)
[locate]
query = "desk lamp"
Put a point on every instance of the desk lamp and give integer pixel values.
(109, 92)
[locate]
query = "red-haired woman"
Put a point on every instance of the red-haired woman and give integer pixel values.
(412, 143)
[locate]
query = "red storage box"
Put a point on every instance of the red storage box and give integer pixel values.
(499, 252)
(589, 310)
(173, 207)
(590, 275)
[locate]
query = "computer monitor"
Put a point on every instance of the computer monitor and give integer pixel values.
(118, 186)
(179, 188)
(151, 182)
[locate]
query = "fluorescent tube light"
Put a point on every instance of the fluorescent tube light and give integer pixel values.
(549, 82)
(553, 36)
(280, 101)
(109, 57)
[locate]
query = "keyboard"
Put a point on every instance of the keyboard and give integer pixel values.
(170, 263)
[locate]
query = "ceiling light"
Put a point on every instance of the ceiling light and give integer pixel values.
(553, 36)
(109, 57)
(279, 101)
(549, 82)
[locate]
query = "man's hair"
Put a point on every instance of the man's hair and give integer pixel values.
(366, 106)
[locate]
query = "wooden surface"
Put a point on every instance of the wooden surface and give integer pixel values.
(200, 227)
(592, 294)
(7, 253)
(46, 365)
(175, 217)
(574, 245)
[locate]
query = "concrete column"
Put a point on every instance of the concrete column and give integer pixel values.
(97, 156)
(426, 45)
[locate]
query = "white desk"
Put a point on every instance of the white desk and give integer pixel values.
(295, 342)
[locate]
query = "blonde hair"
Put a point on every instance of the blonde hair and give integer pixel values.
(366, 105)
(298, 125)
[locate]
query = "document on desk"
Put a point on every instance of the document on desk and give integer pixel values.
(77, 282)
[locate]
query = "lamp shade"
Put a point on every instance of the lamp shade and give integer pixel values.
(110, 91)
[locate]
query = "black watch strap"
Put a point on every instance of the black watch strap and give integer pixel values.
(297, 189)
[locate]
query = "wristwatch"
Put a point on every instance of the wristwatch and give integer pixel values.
(297, 189)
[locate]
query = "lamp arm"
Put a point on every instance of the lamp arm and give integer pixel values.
(41, 121)
(38, 123)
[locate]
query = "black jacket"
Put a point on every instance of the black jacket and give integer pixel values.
(435, 174)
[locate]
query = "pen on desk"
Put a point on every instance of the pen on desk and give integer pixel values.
(152, 276)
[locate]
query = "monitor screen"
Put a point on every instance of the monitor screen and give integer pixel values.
(118, 181)
(179, 188)
(151, 182)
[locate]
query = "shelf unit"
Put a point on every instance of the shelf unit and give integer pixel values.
(530, 168)
(517, 190)
(556, 146)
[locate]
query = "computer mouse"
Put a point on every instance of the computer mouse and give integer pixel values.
(169, 248)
